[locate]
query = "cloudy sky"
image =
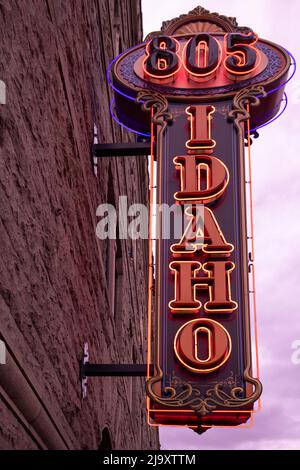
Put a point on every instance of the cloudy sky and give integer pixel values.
(276, 186)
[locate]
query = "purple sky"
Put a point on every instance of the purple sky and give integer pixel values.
(276, 187)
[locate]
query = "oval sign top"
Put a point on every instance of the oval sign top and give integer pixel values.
(201, 66)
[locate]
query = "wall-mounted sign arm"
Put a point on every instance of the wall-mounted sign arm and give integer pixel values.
(108, 370)
(113, 370)
(128, 149)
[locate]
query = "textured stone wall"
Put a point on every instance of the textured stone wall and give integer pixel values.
(55, 292)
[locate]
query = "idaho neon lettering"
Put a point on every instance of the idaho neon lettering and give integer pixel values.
(203, 180)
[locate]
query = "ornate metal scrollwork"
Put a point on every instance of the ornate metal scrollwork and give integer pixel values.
(248, 96)
(159, 103)
(213, 398)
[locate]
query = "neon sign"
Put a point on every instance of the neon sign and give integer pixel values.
(204, 90)
(201, 56)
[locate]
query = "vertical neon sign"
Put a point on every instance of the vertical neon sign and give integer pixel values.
(201, 89)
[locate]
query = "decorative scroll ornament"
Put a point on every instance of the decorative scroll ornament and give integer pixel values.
(159, 103)
(247, 96)
(203, 21)
(214, 397)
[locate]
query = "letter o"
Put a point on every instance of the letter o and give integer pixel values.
(219, 345)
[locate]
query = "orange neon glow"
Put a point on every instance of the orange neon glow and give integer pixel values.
(231, 304)
(185, 293)
(209, 336)
(240, 411)
(240, 55)
(150, 260)
(202, 53)
(193, 305)
(184, 163)
(189, 246)
(202, 56)
(225, 345)
(157, 77)
(252, 251)
(188, 410)
(193, 238)
(162, 64)
(249, 425)
(202, 75)
(197, 126)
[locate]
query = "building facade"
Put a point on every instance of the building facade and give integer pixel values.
(60, 286)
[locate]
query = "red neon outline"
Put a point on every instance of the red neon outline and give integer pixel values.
(200, 75)
(202, 371)
(233, 54)
(209, 119)
(205, 199)
(165, 76)
(203, 246)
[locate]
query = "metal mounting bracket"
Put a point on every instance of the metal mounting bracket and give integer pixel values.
(124, 149)
(107, 370)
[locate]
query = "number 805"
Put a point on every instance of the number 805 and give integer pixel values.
(202, 55)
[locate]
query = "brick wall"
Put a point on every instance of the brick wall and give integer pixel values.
(59, 285)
